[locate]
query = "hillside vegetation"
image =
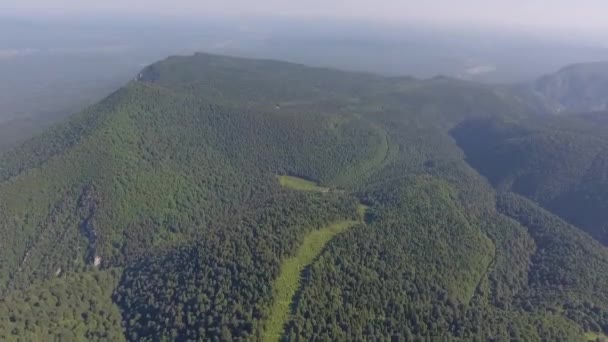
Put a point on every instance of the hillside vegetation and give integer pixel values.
(300, 184)
(70, 308)
(575, 88)
(561, 163)
(288, 282)
(158, 215)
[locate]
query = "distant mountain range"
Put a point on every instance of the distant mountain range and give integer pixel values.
(574, 89)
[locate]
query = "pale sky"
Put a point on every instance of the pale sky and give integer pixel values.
(562, 15)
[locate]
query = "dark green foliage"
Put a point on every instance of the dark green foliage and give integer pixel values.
(559, 162)
(568, 270)
(73, 307)
(223, 283)
(173, 180)
(57, 139)
(565, 260)
(369, 284)
(420, 270)
(160, 176)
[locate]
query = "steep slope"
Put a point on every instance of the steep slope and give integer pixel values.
(141, 160)
(76, 307)
(151, 169)
(575, 88)
(559, 162)
(172, 184)
(568, 268)
(428, 272)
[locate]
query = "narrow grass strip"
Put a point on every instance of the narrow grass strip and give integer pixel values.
(300, 184)
(288, 282)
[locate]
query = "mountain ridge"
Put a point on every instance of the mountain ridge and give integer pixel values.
(169, 187)
(575, 88)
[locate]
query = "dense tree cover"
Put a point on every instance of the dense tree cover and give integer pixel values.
(568, 270)
(558, 162)
(166, 172)
(374, 268)
(221, 286)
(419, 271)
(57, 139)
(72, 307)
(575, 88)
(173, 179)
(262, 82)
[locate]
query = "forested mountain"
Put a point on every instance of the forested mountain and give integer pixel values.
(575, 88)
(559, 162)
(162, 213)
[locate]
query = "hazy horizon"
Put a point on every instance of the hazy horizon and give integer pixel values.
(88, 48)
(559, 16)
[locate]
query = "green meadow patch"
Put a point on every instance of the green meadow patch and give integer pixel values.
(288, 282)
(592, 336)
(300, 184)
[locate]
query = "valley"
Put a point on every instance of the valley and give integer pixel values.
(440, 209)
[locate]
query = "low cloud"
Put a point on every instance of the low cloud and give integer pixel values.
(14, 53)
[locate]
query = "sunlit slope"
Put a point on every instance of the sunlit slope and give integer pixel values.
(71, 308)
(149, 156)
(223, 284)
(289, 281)
(173, 179)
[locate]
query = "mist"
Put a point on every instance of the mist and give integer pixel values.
(55, 64)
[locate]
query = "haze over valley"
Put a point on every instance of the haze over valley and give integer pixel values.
(77, 61)
(403, 171)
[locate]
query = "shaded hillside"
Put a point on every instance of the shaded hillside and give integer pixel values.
(559, 162)
(170, 184)
(576, 88)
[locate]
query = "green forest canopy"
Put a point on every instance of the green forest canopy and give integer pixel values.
(157, 213)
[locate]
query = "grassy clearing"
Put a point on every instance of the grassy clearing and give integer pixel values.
(288, 282)
(591, 336)
(361, 211)
(300, 184)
